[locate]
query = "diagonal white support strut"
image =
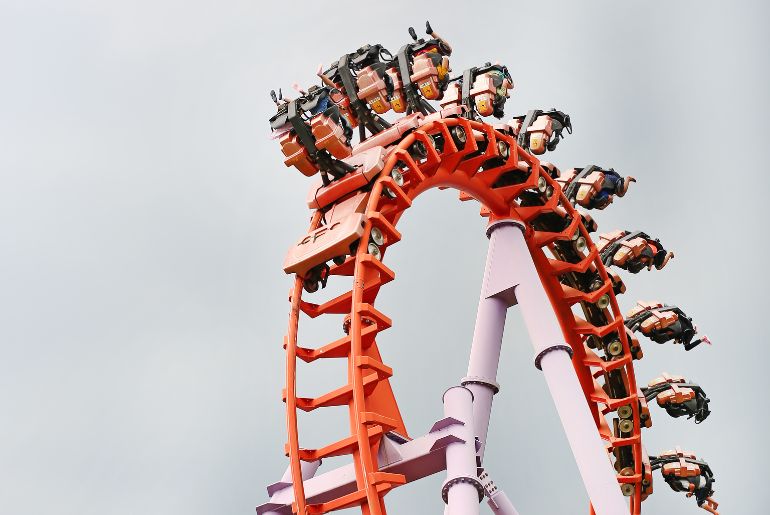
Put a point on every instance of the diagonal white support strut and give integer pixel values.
(510, 270)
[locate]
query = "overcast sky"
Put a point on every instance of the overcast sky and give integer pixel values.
(145, 214)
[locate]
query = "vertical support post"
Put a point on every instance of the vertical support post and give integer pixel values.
(462, 491)
(512, 270)
(496, 298)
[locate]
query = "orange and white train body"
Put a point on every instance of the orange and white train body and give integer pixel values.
(657, 320)
(539, 131)
(636, 249)
(373, 89)
(429, 71)
(397, 97)
(588, 186)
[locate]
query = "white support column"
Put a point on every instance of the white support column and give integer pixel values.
(553, 355)
(462, 491)
(495, 299)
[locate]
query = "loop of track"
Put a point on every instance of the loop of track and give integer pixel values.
(551, 223)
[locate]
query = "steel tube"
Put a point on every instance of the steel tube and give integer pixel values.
(483, 362)
(549, 343)
(462, 495)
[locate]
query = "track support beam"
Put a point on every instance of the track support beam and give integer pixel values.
(462, 491)
(511, 275)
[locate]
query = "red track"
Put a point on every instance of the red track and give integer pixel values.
(608, 382)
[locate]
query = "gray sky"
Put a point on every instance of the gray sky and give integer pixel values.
(144, 216)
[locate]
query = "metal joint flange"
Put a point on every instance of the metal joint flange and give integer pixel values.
(449, 483)
(552, 348)
(495, 387)
(500, 223)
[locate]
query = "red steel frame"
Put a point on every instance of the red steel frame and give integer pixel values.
(372, 407)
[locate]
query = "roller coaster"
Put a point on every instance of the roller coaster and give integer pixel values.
(541, 258)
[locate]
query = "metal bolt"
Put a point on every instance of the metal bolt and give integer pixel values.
(625, 411)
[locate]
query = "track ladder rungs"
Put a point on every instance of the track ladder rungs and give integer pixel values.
(338, 448)
(339, 348)
(365, 362)
(392, 235)
(584, 327)
(375, 419)
(380, 319)
(386, 274)
(382, 481)
(339, 397)
(594, 360)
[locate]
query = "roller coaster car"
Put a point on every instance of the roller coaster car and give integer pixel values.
(632, 251)
(484, 90)
(333, 81)
(685, 473)
(375, 85)
(662, 323)
(296, 154)
(593, 187)
(312, 132)
(430, 64)
(678, 397)
(430, 72)
(397, 96)
(538, 131)
(344, 226)
(490, 90)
